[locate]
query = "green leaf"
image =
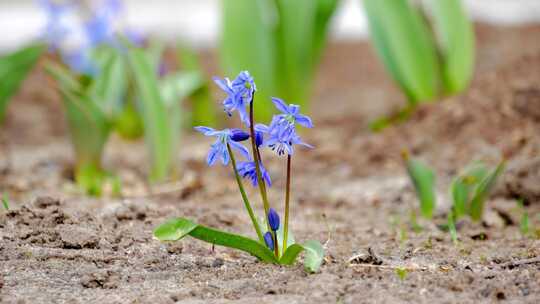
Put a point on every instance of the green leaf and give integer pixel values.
(290, 255)
(13, 70)
(314, 255)
(455, 37)
(178, 228)
(463, 186)
(161, 123)
(423, 180)
(405, 45)
(108, 88)
(482, 191)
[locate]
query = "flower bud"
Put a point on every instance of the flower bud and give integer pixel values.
(273, 219)
(258, 138)
(239, 135)
(269, 240)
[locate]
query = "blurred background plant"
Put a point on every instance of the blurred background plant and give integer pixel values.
(279, 41)
(111, 83)
(426, 46)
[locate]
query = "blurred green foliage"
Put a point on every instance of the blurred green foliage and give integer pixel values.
(428, 48)
(279, 42)
(13, 70)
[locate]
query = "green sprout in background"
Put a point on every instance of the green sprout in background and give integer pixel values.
(427, 48)
(469, 189)
(279, 41)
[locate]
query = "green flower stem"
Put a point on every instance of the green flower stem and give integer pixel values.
(276, 247)
(260, 181)
(287, 197)
(244, 197)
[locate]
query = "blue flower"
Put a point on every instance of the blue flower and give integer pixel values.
(269, 240)
(291, 113)
(247, 170)
(273, 219)
(219, 147)
(281, 136)
(102, 27)
(239, 94)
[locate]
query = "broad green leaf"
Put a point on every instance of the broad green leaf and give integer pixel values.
(159, 120)
(314, 255)
(481, 192)
(290, 255)
(463, 186)
(313, 251)
(423, 180)
(403, 41)
(248, 43)
(176, 229)
(203, 110)
(455, 37)
(13, 70)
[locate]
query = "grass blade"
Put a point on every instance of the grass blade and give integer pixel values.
(455, 37)
(482, 192)
(423, 180)
(13, 70)
(403, 42)
(178, 228)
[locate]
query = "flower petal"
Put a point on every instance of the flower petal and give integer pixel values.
(280, 105)
(303, 120)
(243, 150)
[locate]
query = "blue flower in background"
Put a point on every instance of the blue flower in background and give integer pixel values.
(239, 94)
(281, 136)
(291, 113)
(75, 38)
(219, 147)
(269, 240)
(247, 170)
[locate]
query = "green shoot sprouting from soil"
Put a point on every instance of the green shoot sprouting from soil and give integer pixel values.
(469, 190)
(5, 201)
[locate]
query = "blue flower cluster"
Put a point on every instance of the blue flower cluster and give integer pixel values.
(75, 36)
(280, 135)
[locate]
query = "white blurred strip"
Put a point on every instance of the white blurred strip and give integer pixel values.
(197, 21)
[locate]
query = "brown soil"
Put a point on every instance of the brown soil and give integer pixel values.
(351, 193)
